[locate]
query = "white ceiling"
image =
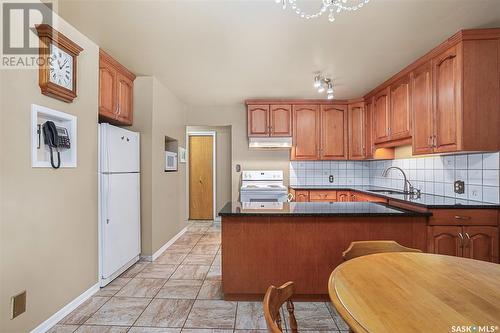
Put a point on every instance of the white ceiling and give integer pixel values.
(222, 52)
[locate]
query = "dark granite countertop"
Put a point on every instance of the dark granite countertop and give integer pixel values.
(425, 200)
(351, 209)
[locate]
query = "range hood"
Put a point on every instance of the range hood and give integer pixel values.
(270, 142)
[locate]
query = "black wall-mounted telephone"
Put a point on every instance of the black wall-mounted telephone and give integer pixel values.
(55, 137)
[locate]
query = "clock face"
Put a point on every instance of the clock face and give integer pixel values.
(61, 68)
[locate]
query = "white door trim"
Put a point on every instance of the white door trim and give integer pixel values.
(214, 169)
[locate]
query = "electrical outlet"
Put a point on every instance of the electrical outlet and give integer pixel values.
(459, 187)
(18, 304)
(330, 179)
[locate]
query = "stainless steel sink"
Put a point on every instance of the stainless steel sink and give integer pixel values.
(386, 191)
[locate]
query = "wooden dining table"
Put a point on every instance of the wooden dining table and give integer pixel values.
(417, 292)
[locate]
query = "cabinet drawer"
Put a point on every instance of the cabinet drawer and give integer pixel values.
(464, 217)
(323, 195)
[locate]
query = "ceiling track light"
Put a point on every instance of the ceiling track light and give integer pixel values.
(322, 83)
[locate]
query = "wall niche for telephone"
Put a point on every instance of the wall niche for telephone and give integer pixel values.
(54, 146)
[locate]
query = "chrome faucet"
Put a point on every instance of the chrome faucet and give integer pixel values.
(408, 187)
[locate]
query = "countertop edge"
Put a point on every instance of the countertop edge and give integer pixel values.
(380, 195)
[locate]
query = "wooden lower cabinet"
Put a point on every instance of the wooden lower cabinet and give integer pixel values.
(335, 196)
(481, 243)
(445, 240)
(302, 196)
(261, 251)
(475, 242)
(344, 196)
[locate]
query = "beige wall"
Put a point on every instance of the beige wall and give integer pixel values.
(236, 117)
(223, 162)
(48, 217)
(158, 113)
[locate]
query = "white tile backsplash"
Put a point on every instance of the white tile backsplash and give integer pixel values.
(432, 175)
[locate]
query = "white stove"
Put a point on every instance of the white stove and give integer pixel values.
(263, 186)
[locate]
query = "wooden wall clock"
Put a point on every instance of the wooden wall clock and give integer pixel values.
(58, 65)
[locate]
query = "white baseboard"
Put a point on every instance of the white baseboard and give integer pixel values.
(164, 247)
(56, 317)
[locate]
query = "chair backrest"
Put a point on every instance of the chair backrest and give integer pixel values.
(273, 300)
(363, 248)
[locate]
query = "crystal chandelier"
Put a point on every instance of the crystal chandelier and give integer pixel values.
(332, 6)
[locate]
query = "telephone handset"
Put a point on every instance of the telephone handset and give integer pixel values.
(55, 137)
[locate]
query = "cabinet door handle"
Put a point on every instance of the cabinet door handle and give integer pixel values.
(458, 217)
(430, 142)
(468, 239)
(461, 239)
(451, 56)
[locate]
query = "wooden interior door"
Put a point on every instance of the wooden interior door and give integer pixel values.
(333, 145)
(107, 90)
(446, 240)
(258, 120)
(381, 116)
(400, 120)
(125, 91)
(357, 131)
(201, 178)
(421, 105)
(481, 243)
(280, 117)
(306, 122)
(447, 92)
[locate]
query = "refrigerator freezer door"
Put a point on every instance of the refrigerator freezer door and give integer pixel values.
(120, 221)
(119, 150)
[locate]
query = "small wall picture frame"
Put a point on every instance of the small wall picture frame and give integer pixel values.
(182, 155)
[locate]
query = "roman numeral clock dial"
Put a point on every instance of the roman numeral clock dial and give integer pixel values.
(61, 68)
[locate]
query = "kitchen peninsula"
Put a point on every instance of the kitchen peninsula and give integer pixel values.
(272, 243)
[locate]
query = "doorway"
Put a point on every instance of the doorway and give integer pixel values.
(201, 165)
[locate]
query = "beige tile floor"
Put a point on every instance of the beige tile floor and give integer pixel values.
(181, 292)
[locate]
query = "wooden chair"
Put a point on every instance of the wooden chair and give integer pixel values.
(273, 300)
(363, 248)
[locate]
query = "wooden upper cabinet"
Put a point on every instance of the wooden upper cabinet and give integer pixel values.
(258, 120)
(357, 131)
(421, 109)
(107, 90)
(125, 95)
(269, 120)
(400, 117)
(481, 243)
(280, 117)
(381, 109)
(446, 240)
(333, 145)
(116, 90)
(447, 100)
(306, 132)
(369, 147)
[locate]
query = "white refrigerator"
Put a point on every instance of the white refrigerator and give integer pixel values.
(119, 201)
